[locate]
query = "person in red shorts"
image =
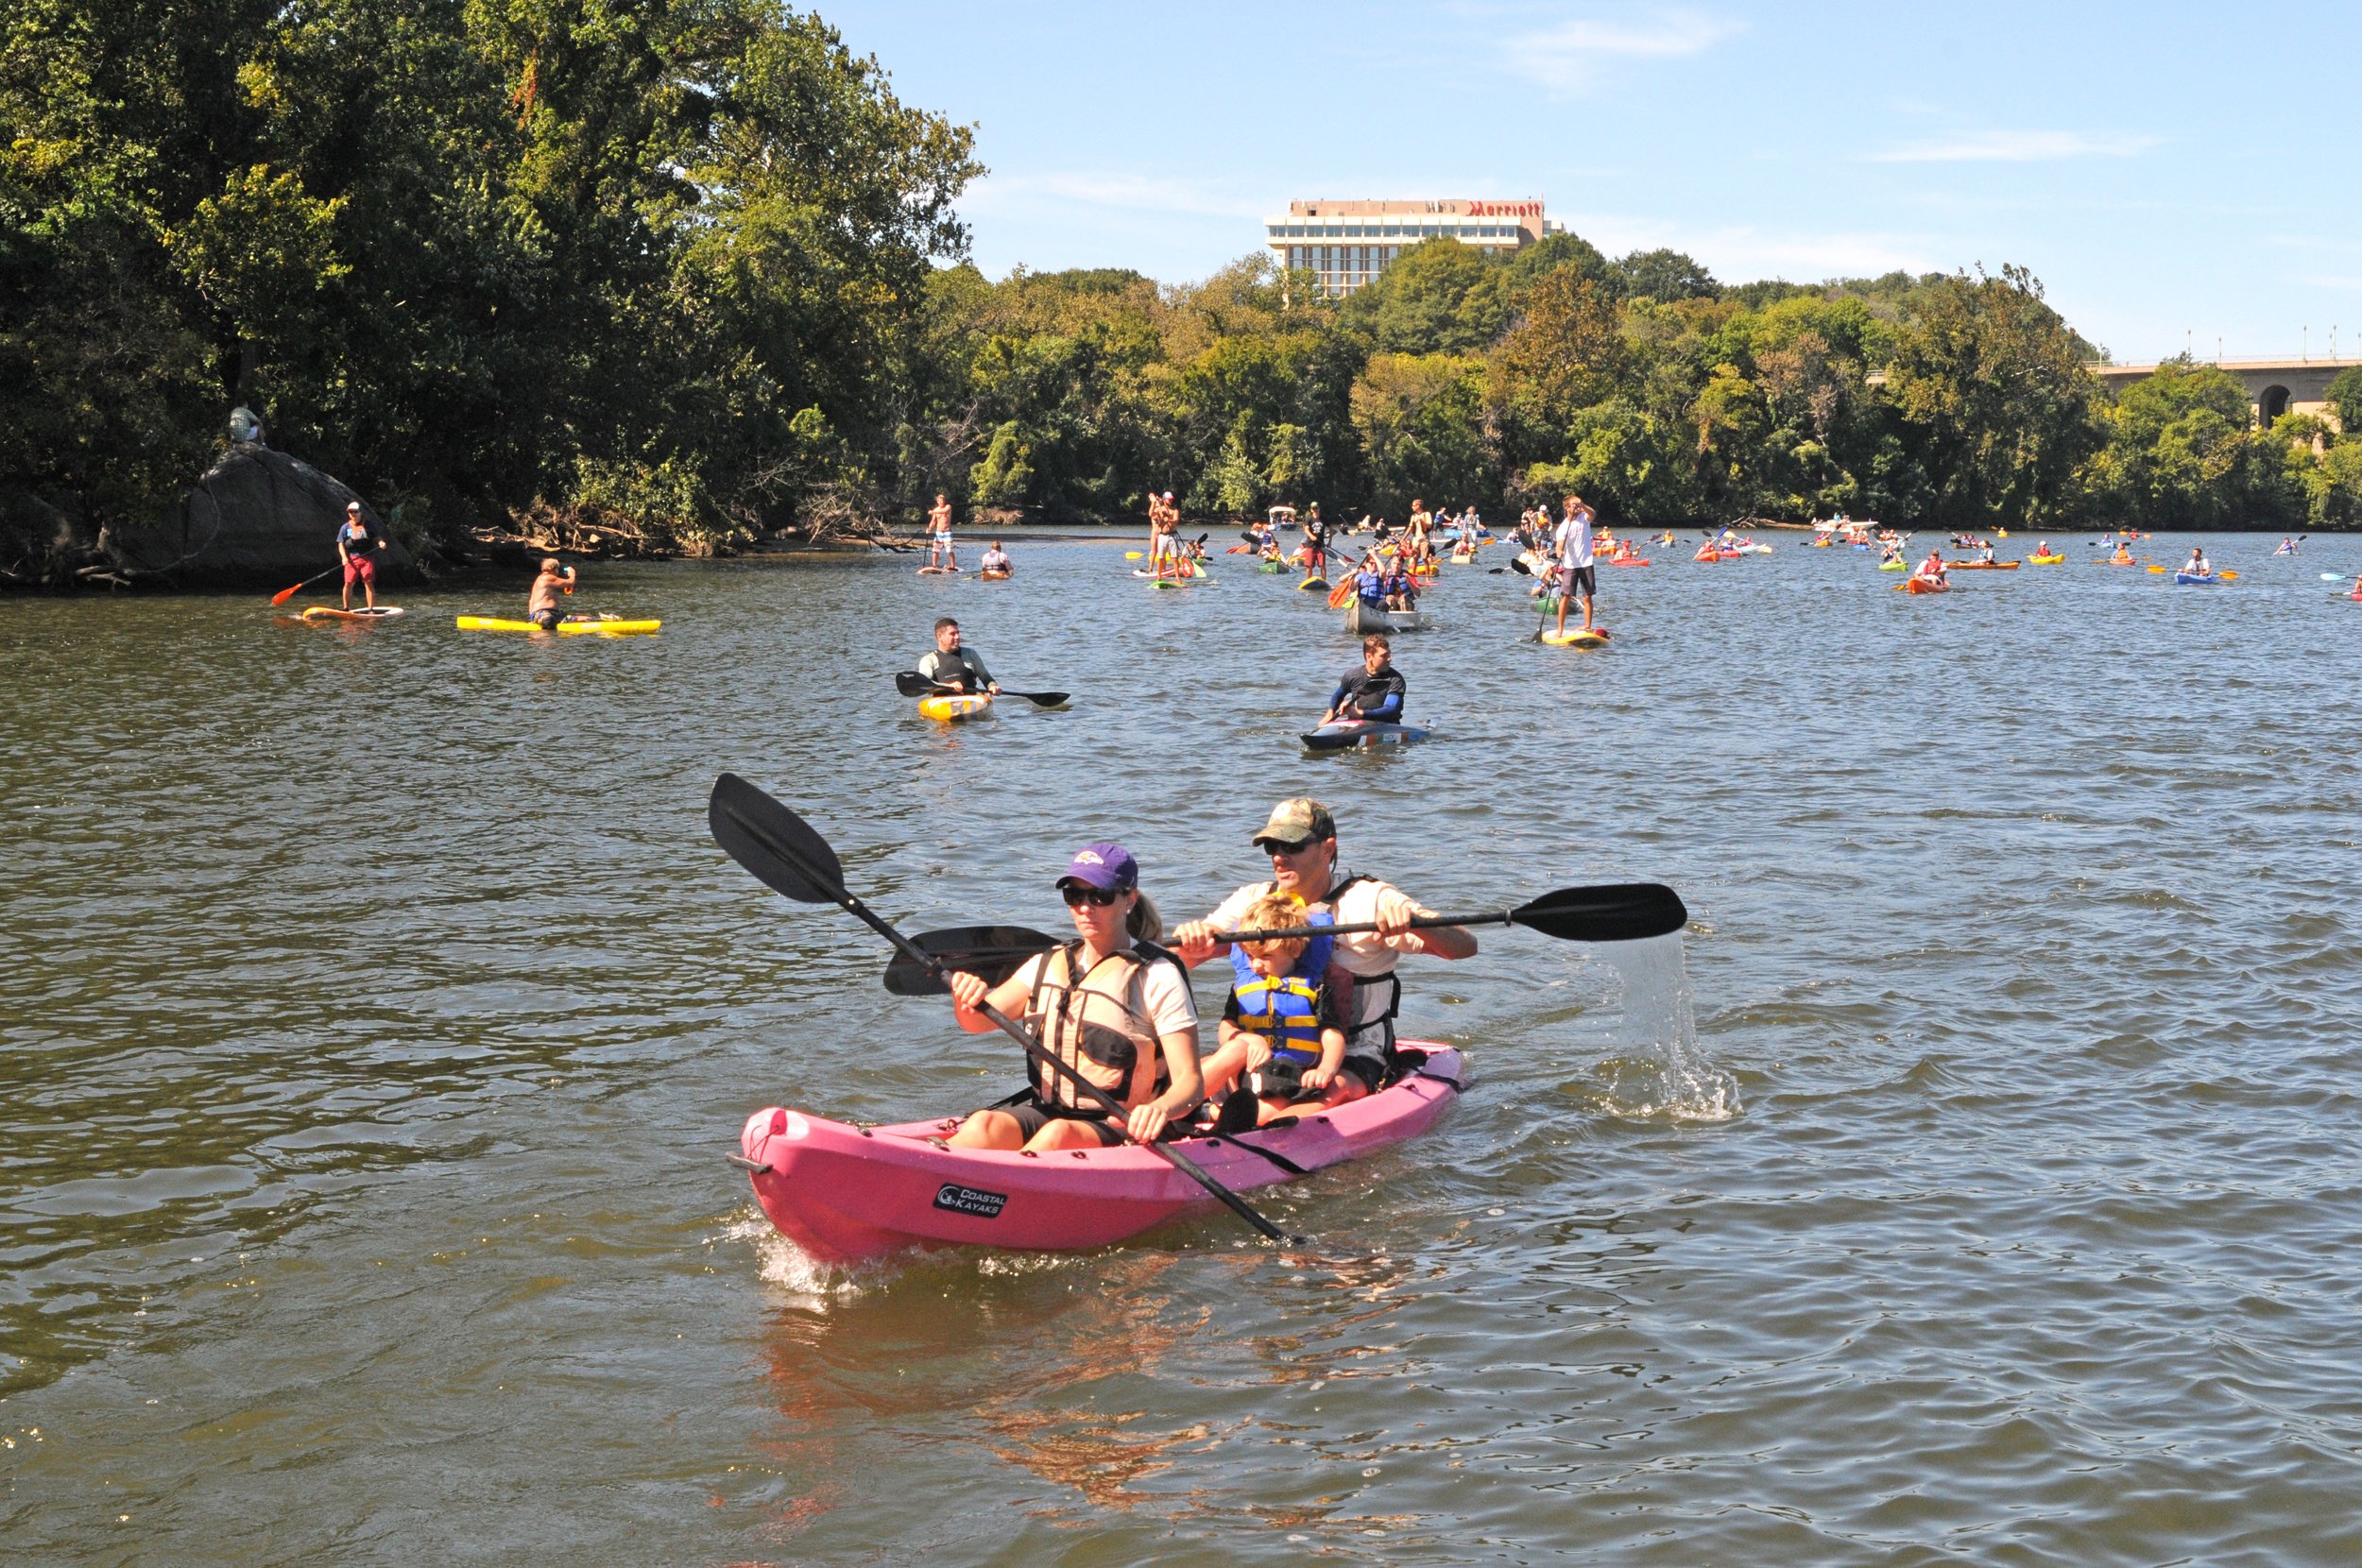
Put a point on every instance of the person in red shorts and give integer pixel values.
(357, 546)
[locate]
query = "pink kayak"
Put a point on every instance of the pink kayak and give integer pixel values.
(842, 1192)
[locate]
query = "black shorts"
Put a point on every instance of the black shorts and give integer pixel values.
(1371, 1070)
(1579, 580)
(1033, 1116)
(546, 620)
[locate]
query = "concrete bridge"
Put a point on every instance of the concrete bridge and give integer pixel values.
(2274, 387)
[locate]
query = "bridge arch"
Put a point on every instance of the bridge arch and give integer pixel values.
(2271, 403)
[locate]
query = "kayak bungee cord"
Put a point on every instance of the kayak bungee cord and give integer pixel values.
(786, 854)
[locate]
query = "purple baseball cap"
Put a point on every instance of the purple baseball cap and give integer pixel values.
(1104, 866)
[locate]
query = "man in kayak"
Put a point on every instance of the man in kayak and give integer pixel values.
(541, 602)
(357, 547)
(1373, 693)
(1932, 570)
(1574, 571)
(2198, 565)
(939, 550)
(1301, 840)
(954, 666)
(996, 559)
(1110, 1004)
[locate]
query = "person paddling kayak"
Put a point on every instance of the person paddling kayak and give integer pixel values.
(1110, 1004)
(357, 546)
(954, 666)
(541, 602)
(1374, 692)
(1931, 570)
(997, 559)
(1301, 840)
(2197, 564)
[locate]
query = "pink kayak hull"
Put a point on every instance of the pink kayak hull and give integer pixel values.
(842, 1193)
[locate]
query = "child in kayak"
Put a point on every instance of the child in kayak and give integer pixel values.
(542, 604)
(1282, 1034)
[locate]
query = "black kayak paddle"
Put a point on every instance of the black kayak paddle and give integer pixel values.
(912, 684)
(787, 856)
(1615, 911)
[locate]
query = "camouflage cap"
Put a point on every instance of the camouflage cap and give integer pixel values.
(1296, 823)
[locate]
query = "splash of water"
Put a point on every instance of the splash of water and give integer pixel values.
(1660, 1072)
(789, 1268)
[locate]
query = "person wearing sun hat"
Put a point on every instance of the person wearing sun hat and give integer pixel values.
(1110, 1004)
(1301, 840)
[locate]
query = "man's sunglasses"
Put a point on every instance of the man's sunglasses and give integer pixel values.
(1076, 895)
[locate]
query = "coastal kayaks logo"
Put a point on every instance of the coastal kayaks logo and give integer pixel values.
(975, 1200)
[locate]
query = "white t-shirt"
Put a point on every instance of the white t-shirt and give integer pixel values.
(1164, 991)
(1574, 539)
(1361, 954)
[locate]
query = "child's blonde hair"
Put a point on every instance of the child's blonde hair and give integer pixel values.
(1274, 912)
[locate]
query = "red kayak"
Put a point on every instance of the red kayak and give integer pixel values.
(843, 1192)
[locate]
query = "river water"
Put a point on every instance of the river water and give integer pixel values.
(379, 1014)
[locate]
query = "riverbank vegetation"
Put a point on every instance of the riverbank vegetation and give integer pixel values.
(671, 274)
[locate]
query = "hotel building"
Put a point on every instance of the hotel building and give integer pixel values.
(1349, 242)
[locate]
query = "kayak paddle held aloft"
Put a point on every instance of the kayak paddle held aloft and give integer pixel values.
(912, 684)
(1618, 912)
(786, 854)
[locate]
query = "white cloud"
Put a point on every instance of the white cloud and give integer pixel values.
(1568, 57)
(2016, 146)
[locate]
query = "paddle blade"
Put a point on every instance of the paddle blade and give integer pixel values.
(1621, 912)
(912, 684)
(1044, 699)
(773, 843)
(991, 953)
(285, 594)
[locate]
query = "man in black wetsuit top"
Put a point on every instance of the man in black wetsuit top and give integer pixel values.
(954, 666)
(1374, 692)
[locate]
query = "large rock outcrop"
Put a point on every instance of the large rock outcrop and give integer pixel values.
(258, 519)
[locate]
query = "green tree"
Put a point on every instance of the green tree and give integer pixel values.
(1420, 419)
(2000, 408)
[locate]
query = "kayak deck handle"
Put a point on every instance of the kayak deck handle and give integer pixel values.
(753, 1167)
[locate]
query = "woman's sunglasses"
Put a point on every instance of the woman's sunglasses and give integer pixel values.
(1076, 895)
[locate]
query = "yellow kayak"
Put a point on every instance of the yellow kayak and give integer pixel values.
(2046, 560)
(571, 626)
(954, 705)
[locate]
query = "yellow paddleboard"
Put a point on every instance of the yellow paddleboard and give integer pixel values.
(566, 628)
(1576, 639)
(954, 705)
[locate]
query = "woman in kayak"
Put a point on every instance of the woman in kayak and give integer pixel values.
(1109, 1004)
(1282, 1036)
(2123, 555)
(1373, 693)
(1301, 840)
(542, 604)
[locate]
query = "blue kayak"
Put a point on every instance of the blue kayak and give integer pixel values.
(1356, 732)
(2191, 579)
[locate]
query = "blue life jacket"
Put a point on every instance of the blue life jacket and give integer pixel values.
(1285, 1009)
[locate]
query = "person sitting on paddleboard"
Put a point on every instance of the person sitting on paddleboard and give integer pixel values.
(1375, 692)
(1110, 1004)
(1572, 542)
(2196, 565)
(939, 550)
(1283, 1038)
(954, 666)
(357, 547)
(1301, 840)
(996, 559)
(542, 604)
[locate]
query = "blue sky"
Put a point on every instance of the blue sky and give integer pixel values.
(2171, 171)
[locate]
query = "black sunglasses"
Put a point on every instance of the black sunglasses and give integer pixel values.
(1076, 895)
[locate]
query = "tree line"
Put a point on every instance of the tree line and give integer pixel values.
(689, 270)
